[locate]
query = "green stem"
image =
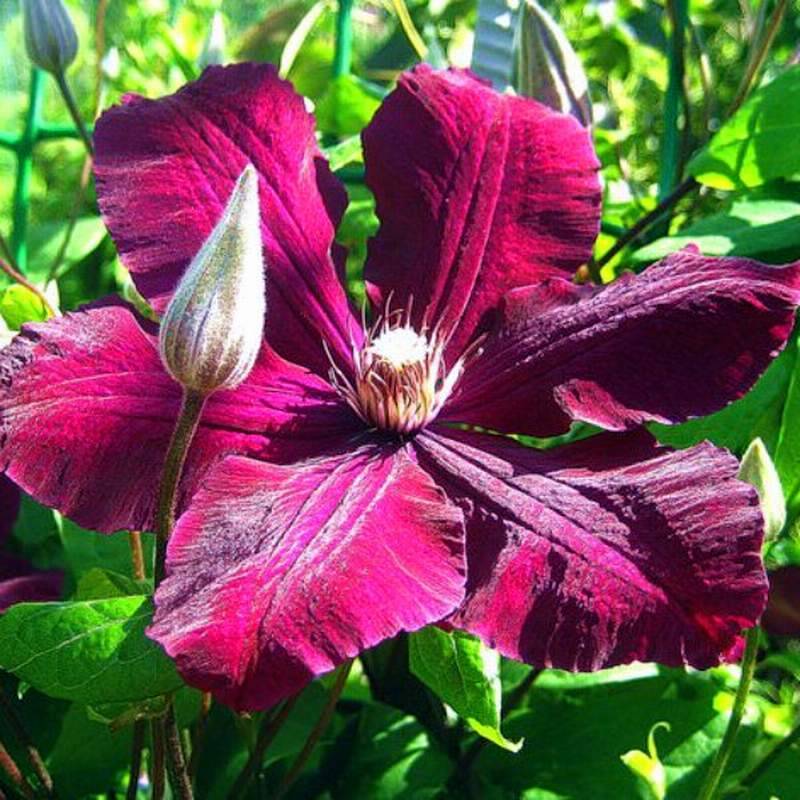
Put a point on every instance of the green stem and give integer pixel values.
(156, 766)
(185, 428)
(176, 763)
(266, 735)
(22, 186)
(715, 773)
(343, 54)
(72, 107)
(136, 760)
(673, 101)
(316, 733)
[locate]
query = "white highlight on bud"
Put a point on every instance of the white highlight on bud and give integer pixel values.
(546, 66)
(214, 47)
(758, 470)
(50, 37)
(213, 327)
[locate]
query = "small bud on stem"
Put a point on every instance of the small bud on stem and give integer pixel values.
(212, 330)
(547, 68)
(758, 470)
(50, 37)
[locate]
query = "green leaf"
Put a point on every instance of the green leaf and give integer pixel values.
(346, 152)
(19, 305)
(465, 674)
(758, 143)
(48, 239)
(347, 105)
(88, 758)
(92, 651)
(750, 227)
(88, 549)
(101, 584)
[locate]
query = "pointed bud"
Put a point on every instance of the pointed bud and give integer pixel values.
(758, 470)
(50, 37)
(212, 329)
(547, 68)
(214, 48)
(647, 767)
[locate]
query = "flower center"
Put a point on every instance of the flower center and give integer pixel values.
(400, 380)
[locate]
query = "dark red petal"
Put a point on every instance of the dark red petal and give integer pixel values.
(605, 551)
(9, 507)
(278, 574)
(86, 412)
(683, 339)
(21, 583)
(166, 168)
(477, 193)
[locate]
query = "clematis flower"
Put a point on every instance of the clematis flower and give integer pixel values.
(350, 488)
(19, 581)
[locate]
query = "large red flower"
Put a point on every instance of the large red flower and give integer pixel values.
(331, 500)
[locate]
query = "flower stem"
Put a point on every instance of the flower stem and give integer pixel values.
(185, 428)
(715, 773)
(156, 766)
(72, 107)
(136, 760)
(318, 730)
(23, 737)
(176, 763)
(14, 773)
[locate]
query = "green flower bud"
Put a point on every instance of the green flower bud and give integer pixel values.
(647, 767)
(50, 37)
(758, 470)
(212, 329)
(546, 67)
(214, 47)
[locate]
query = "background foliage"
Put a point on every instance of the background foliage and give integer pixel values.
(80, 674)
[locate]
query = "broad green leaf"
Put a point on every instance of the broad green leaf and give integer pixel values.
(758, 144)
(88, 759)
(750, 227)
(347, 105)
(577, 737)
(463, 673)
(101, 584)
(393, 758)
(92, 651)
(19, 305)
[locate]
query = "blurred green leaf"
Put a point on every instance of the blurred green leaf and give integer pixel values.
(19, 305)
(87, 651)
(750, 227)
(101, 584)
(344, 153)
(463, 673)
(347, 105)
(757, 144)
(48, 240)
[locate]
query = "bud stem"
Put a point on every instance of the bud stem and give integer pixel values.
(715, 773)
(186, 424)
(185, 427)
(72, 107)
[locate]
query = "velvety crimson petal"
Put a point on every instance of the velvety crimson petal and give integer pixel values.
(165, 169)
(279, 573)
(9, 507)
(605, 551)
(477, 193)
(21, 583)
(87, 410)
(683, 339)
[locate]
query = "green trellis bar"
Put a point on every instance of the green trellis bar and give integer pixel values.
(34, 130)
(343, 54)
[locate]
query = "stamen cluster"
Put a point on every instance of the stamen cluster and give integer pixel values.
(400, 380)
